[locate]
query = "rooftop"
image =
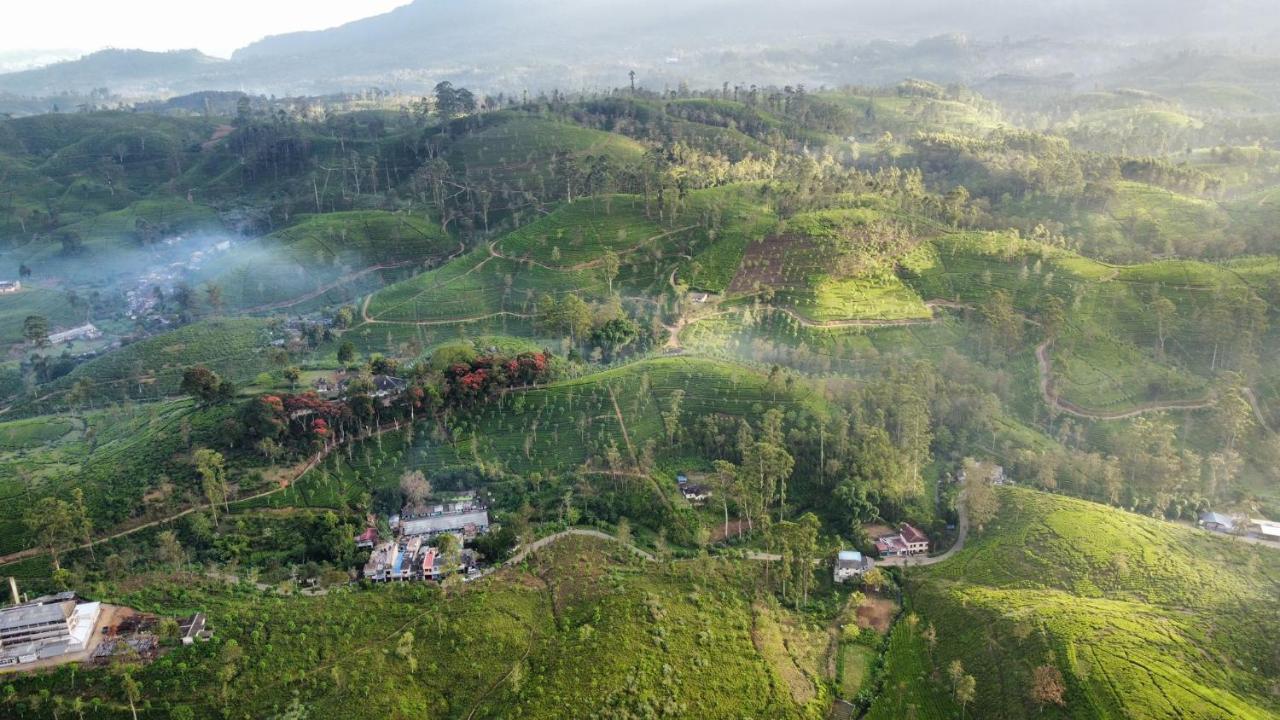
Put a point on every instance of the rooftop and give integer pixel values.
(912, 535)
(19, 616)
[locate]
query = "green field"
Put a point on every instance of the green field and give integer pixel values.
(579, 628)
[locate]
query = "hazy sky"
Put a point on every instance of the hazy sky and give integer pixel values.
(215, 26)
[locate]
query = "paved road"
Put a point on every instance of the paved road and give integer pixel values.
(962, 534)
(915, 561)
(537, 545)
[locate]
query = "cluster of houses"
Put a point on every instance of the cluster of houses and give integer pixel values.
(385, 387)
(908, 541)
(1257, 528)
(409, 556)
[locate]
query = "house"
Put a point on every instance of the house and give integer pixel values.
(695, 493)
(84, 332)
(1216, 522)
(851, 564)
(891, 546)
(192, 628)
(367, 539)
(432, 565)
(385, 559)
(917, 542)
(8, 287)
(909, 540)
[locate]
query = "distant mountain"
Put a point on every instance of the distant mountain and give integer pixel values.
(130, 73)
(536, 45)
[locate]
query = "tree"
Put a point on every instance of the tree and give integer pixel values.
(35, 329)
(53, 523)
(1047, 686)
(671, 418)
(874, 579)
(293, 375)
(965, 691)
(979, 493)
(415, 489)
(169, 550)
(132, 690)
(202, 383)
(623, 532)
(450, 550)
(726, 483)
(1165, 314)
(213, 474)
(610, 264)
(346, 352)
(213, 295)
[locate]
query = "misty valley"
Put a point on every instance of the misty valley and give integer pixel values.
(710, 360)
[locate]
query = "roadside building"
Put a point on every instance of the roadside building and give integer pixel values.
(1265, 529)
(8, 287)
(84, 332)
(909, 540)
(193, 628)
(466, 518)
(1217, 522)
(851, 564)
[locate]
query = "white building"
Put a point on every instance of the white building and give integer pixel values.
(84, 332)
(46, 627)
(851, 564)
(467, 522)
(8, 287)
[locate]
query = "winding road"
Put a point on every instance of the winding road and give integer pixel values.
(1044, 366)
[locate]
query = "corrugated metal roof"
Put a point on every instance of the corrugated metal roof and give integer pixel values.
(25, 615)
(444, 523)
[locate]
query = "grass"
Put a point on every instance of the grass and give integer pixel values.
(152, 368)
(50, 304)
(115, 455)
(855, 664)
(583, 231)
(581, 628)
(1145, 619)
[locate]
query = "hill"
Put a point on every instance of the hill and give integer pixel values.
(583, 627)
(1143, 619)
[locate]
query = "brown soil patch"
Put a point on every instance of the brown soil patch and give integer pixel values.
(782, 262)
(735, 527)
(876, 612)
(875, 531)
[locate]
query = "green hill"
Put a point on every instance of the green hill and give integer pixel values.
(583, 628)
(343, 253)
(1144, 619)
